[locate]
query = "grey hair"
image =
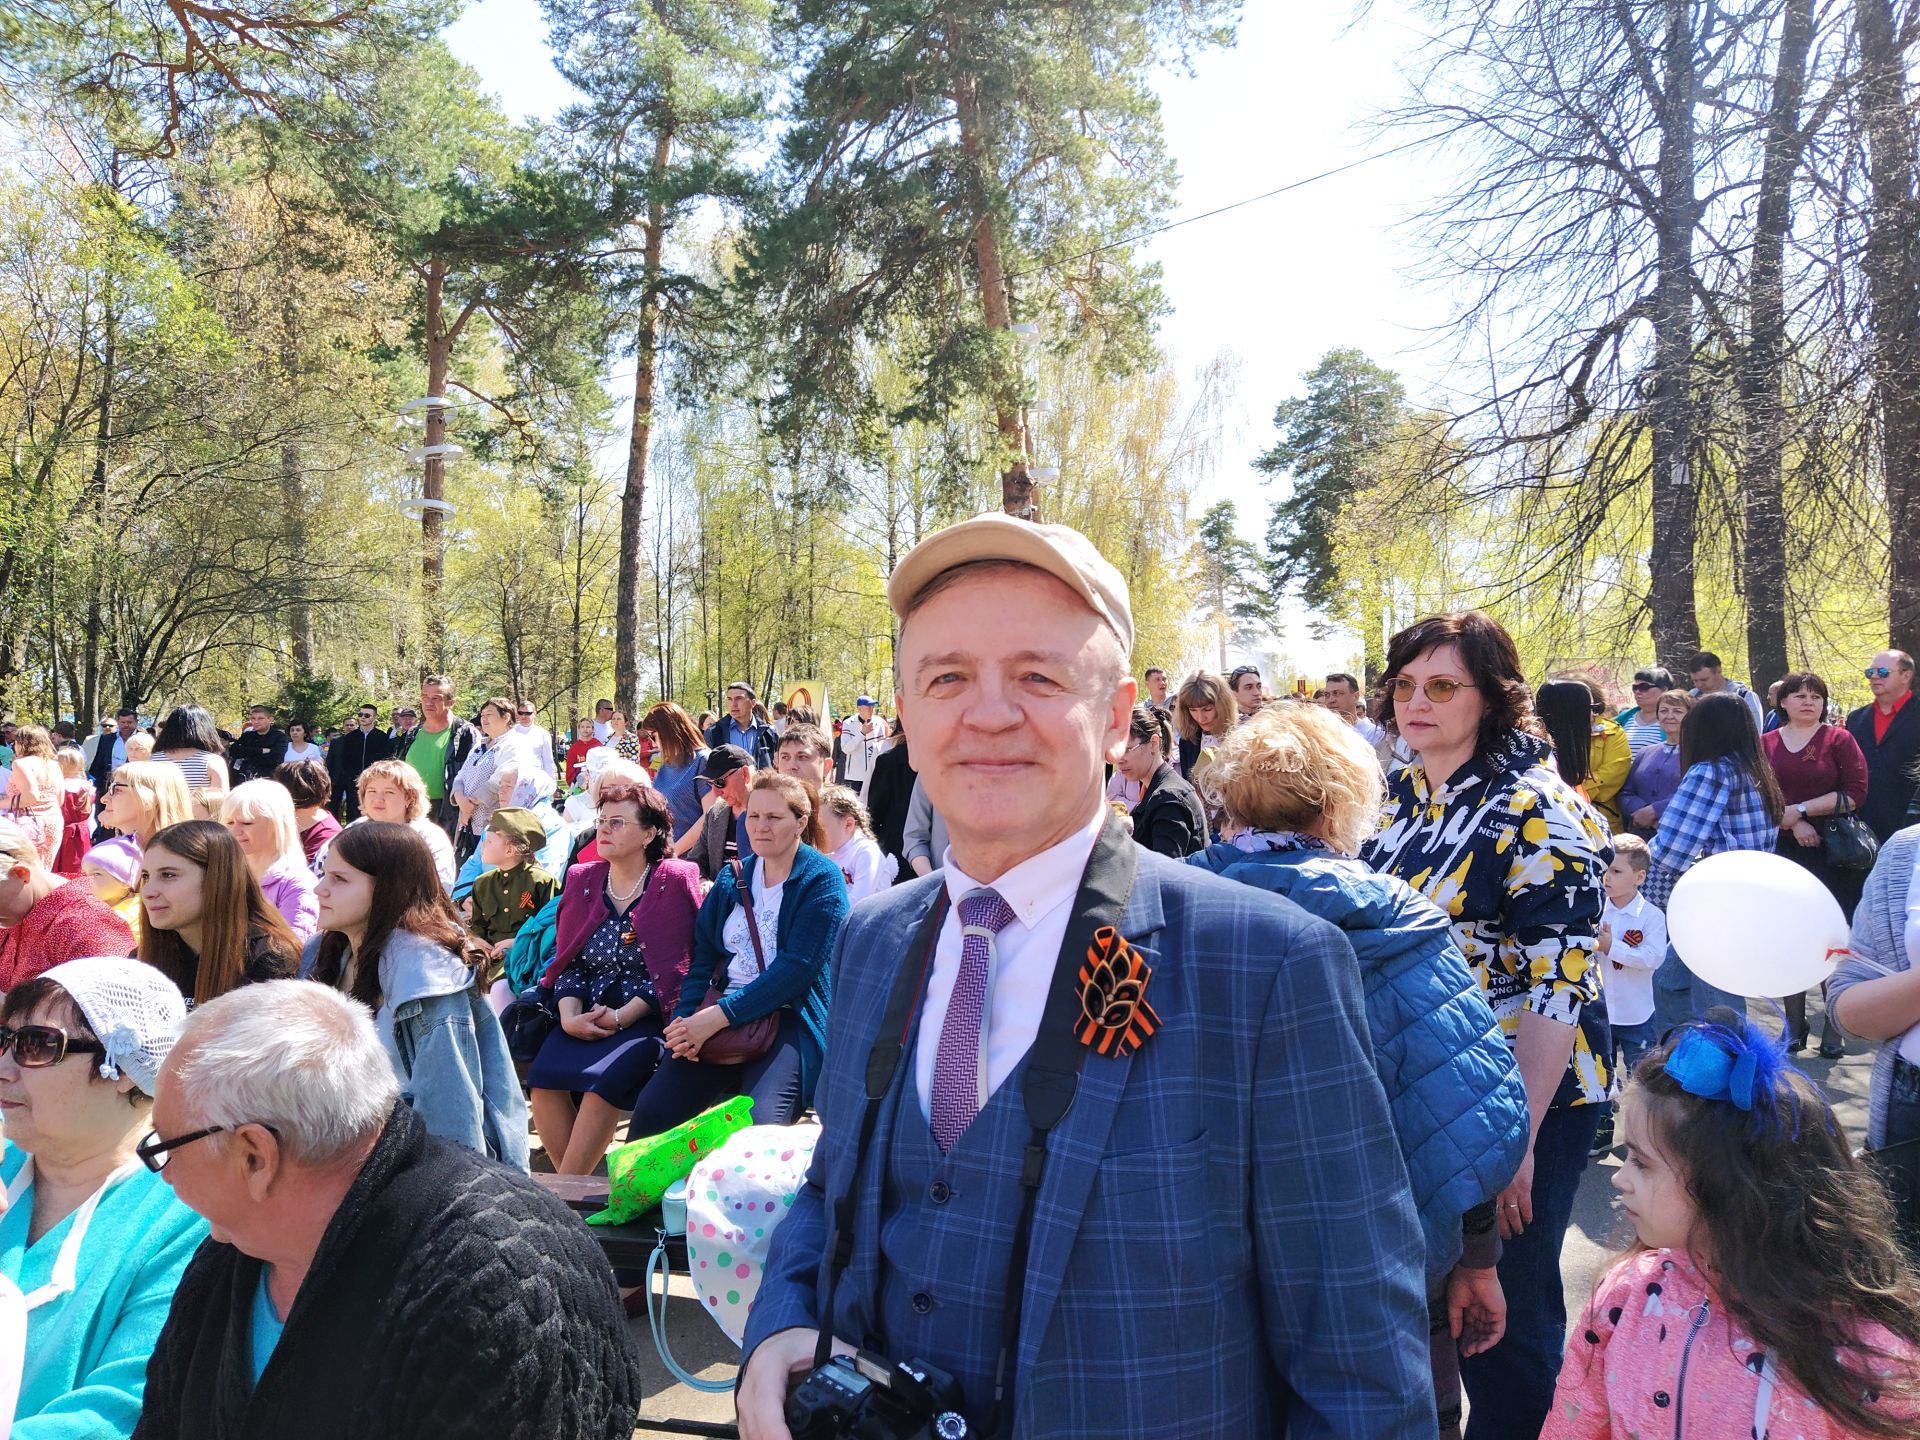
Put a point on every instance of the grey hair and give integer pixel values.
(301, 1058)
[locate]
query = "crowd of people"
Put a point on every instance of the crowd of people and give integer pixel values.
(1345, 991)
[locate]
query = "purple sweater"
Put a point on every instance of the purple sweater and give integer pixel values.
(1652, 780)
(289, 889)
(663, 920)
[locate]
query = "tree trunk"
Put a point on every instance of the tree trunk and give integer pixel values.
(1895, 306)
(92, 669)
(633, 500)
(996, 304)
(293, 491)
(1675, 505)
(433, 543)
(1761, 364)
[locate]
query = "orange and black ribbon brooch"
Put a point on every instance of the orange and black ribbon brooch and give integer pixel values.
(1115, 1016)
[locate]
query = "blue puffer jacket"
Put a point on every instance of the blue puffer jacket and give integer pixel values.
(1458, 1104)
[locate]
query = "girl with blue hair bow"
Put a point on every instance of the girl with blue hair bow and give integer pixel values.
(1764, 1294)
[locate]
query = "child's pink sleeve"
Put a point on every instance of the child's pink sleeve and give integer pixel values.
(1580, 1408)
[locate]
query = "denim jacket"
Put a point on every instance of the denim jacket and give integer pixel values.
(442, 1037)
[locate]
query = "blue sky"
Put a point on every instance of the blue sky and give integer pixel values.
(1275, 284)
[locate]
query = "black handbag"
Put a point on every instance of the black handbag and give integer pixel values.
(527, 1022)
(1849, 842)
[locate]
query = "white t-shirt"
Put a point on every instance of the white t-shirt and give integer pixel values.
(540, 744)
(308, 751)
(1627, 977)
(863, 864)
(742, 967)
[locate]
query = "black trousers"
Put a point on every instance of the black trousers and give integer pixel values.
(681, 1089)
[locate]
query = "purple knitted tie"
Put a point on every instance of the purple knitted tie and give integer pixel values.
(955, 1096)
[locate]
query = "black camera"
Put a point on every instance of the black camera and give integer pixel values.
(864, 1397)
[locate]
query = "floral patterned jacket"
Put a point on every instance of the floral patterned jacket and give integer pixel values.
(1514, 856)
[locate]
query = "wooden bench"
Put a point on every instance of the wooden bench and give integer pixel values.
(627, 1247)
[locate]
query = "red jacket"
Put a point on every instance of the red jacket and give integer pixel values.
(67, 925)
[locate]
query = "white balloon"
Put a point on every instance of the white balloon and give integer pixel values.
(1756, 924)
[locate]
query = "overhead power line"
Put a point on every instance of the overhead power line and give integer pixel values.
(1291, 185)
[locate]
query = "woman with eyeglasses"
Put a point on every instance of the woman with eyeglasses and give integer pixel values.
(1168, 817)
(390, 937)
(94, 1239)
(1641, 720)
(1485, 828)
(142, 799)
(623, 939)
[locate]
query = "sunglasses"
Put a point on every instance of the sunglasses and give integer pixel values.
(155, 1152)
(37, 1046)
(1640, 685)
(1439, 689)
(1878, 672)
(1599, 707)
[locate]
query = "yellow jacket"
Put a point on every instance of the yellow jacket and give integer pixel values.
(1607, 770)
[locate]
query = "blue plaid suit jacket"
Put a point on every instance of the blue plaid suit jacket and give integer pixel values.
(1224, 1244)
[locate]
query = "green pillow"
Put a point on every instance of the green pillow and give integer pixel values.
(640, 1171)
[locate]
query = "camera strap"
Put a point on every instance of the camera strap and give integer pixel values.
(1051, 1080)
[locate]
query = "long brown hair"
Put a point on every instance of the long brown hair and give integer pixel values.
(1799, 1234)
(1720, 727)
(675, 731)
(233, 909)
(407, 895)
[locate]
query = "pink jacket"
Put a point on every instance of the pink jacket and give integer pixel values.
(1655, 1354)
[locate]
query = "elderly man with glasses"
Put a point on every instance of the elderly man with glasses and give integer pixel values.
(1889, 734)
(364, 1278)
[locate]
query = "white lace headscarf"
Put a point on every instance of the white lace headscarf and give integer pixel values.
(135, 1010)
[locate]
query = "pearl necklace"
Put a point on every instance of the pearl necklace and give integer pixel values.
(620, 902)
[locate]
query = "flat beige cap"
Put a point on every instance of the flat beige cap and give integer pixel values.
(1059, 550)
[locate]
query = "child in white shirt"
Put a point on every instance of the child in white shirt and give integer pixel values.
(1633, 942)
(850, 843)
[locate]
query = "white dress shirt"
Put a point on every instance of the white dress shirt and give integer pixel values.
(1039, 891)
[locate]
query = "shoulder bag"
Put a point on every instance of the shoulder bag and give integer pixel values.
(738, 1044)
(1849, 842)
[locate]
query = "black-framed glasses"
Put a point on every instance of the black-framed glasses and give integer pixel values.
(154, 1152)
(1439, 689)
(37, 1046)
(1640, 685)
(1878, 672)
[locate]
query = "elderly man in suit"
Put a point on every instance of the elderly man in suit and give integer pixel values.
(1103, 1137)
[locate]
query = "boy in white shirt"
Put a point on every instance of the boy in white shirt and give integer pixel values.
(1633, 942)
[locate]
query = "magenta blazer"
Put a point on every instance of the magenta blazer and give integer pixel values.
(663, 920)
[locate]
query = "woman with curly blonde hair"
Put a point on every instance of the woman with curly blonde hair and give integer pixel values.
(1300, 791)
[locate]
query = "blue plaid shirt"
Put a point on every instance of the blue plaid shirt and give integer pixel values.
(1717, 808)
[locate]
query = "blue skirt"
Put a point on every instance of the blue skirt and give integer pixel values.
(615, 1067)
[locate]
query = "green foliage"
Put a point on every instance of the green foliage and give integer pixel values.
(1334, 441)
(920, 133)
(319, 701)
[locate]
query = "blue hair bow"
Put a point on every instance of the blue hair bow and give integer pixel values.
(1741, 1067)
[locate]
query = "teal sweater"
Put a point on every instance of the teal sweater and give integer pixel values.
(86, 1361)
